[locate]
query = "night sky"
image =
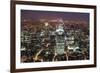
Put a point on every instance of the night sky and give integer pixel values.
(37, 15)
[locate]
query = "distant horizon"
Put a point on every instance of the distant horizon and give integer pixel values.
(50, 15)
